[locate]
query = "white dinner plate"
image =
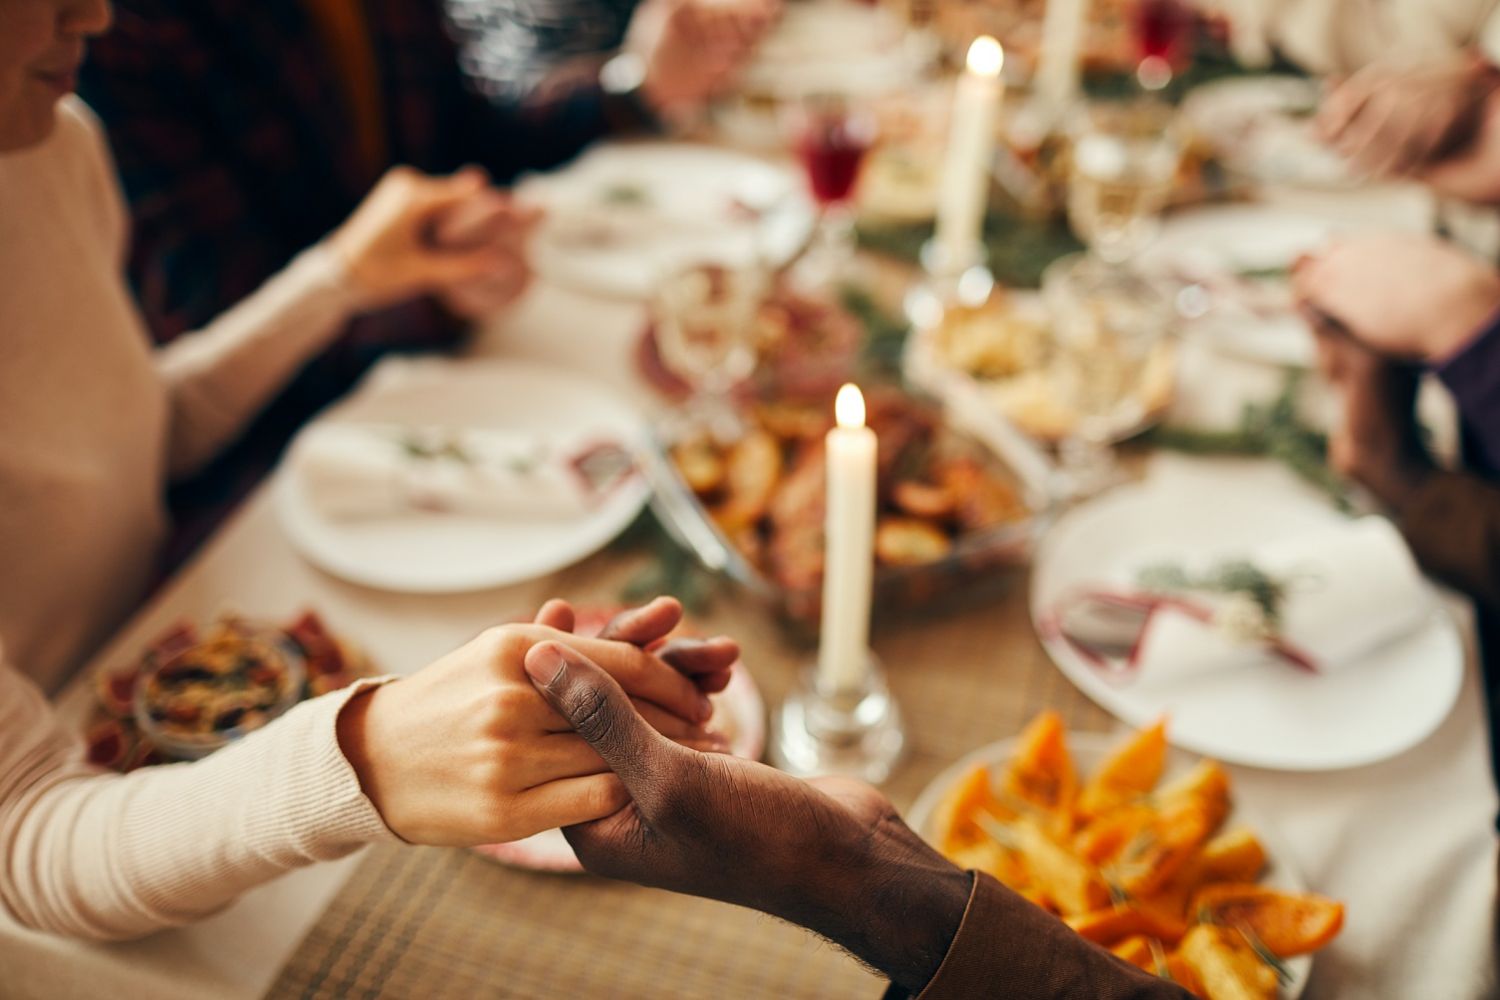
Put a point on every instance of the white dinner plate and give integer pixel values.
(1265, 714)
(1089, 751)
(428, 552)
(1227, 250)
(1261, 127)
(621, 214)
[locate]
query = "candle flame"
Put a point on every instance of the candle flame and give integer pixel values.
(849, 407)
(986, 57)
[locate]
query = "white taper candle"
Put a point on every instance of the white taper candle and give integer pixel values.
(849, 549)
(964, 195)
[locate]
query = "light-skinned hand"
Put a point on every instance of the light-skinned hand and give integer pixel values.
(1411, 298)
(497, 222)
(467, 752)
(694, 49)
(1393, 121)
(388, 245)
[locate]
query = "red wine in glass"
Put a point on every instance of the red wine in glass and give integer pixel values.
(1160, 28)
(832, 148)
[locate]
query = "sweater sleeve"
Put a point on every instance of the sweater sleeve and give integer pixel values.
(108, 856)
(220, 377)
(1009, 947)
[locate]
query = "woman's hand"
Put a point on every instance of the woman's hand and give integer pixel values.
(392, 248)
(467, 752)
(502, 224)
(1392, 121)
(693, 49)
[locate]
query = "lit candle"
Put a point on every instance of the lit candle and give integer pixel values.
(971, 153)
(1062, 42)
(849, 547)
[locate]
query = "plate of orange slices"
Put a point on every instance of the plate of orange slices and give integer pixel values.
(1138, 848)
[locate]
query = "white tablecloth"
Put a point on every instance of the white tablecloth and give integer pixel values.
(1408, 844)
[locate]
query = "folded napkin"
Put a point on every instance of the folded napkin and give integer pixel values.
(353, 471)
(1345, 591)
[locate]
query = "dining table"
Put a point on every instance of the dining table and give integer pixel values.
(1407, 844)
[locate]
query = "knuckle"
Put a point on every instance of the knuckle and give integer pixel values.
(589, 709)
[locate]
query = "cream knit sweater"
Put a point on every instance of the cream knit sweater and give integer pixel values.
(92, 422)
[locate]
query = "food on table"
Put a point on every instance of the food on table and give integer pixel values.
(1142, 868)
(1003, 345)
(765, 491)
(237, 679)
(234, 651)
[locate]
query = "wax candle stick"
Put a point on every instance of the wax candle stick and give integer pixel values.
(1057, 70)
(849, 549)
(964, 196)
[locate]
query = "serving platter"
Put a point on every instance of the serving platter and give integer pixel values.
(1089, 750)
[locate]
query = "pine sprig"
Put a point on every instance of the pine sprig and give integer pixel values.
(1269, 430)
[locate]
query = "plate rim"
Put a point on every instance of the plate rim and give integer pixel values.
(297, 519)
(1098, 690)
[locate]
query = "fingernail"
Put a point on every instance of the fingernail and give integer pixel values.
(705, 708)
(545, 662)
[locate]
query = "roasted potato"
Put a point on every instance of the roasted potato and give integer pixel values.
(907, 541)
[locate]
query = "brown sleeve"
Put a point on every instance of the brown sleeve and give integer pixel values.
(1453, 528)
(1007, 947)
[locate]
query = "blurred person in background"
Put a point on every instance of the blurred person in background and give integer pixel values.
(243, 134)
(463, 752)
(520, 52)
(1410, 81)
(1386, 309)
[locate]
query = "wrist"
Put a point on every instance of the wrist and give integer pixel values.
(1473, 313)
(357, 729)
(890, 900)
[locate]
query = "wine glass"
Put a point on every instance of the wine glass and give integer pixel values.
(831, 135)
(706, 307)
(1104, 339)
(1125, 158)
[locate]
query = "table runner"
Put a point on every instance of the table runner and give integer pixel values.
(435, 922)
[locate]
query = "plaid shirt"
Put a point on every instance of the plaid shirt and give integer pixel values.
(235, 147)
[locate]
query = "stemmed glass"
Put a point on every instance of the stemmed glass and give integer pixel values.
(1125, 158)
(1104, 339)
(706, 308)
(831, 134)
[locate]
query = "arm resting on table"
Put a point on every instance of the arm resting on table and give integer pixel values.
(98, 855)
(1008, 947)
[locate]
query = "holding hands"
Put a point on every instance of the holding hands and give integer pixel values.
(1398, 121)
(1407, 297)
(467, 752)
(455, 237)
(693, 49)
(831, 855)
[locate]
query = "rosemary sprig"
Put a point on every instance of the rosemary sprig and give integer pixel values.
(1283, 974)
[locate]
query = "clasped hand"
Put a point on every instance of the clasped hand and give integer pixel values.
(467, 752)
